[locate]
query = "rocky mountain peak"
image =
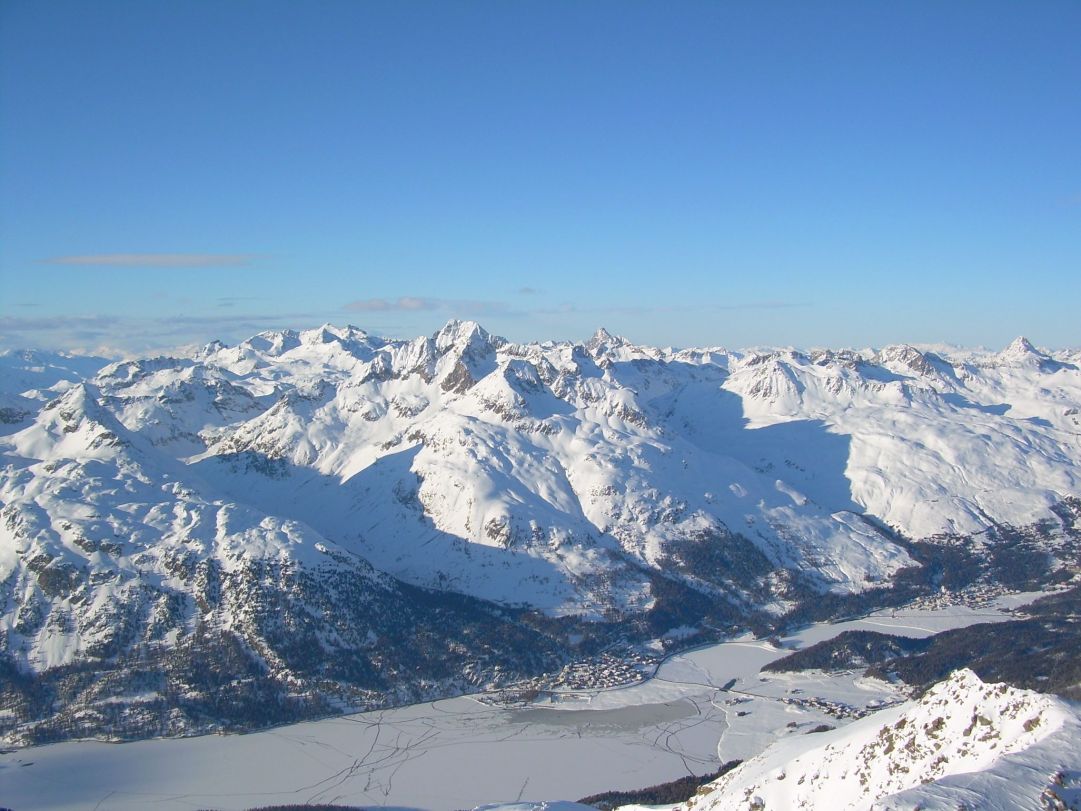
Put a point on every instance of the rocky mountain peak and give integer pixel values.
(209, 349)
(1021, 348)
(273, 342)
(464, 335)
(908, 358)
(325, 334)
(602, 340)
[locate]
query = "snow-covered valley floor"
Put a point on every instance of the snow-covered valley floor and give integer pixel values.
(461, 752)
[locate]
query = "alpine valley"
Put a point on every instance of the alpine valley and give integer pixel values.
(320, 522)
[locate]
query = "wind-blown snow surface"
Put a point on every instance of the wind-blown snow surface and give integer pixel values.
(154, 500)
(964, 744)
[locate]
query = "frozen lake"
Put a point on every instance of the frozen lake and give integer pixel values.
(458, 753)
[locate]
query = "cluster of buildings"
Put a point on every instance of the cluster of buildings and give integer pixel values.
(597, 673)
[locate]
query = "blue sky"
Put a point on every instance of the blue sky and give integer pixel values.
(682, 173)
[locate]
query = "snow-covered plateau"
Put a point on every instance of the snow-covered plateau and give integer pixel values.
(317, 522)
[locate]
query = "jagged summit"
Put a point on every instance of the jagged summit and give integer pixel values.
(1021, 350)
(1021, 346)
(465, 335)
(602, 340)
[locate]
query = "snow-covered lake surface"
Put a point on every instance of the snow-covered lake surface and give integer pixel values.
(458, 753)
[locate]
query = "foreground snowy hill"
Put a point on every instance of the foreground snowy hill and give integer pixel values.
(332, 519)
(964, 744)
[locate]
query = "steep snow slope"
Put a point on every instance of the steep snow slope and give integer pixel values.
(964, 744)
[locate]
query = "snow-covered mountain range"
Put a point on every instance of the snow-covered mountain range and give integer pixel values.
(343, 514)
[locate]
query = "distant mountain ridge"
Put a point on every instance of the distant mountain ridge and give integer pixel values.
(307, 507)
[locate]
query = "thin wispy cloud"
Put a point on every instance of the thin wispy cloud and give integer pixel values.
(468, 307)
(382, 305)
(232, 301)
(645, 309)
(155, 260)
